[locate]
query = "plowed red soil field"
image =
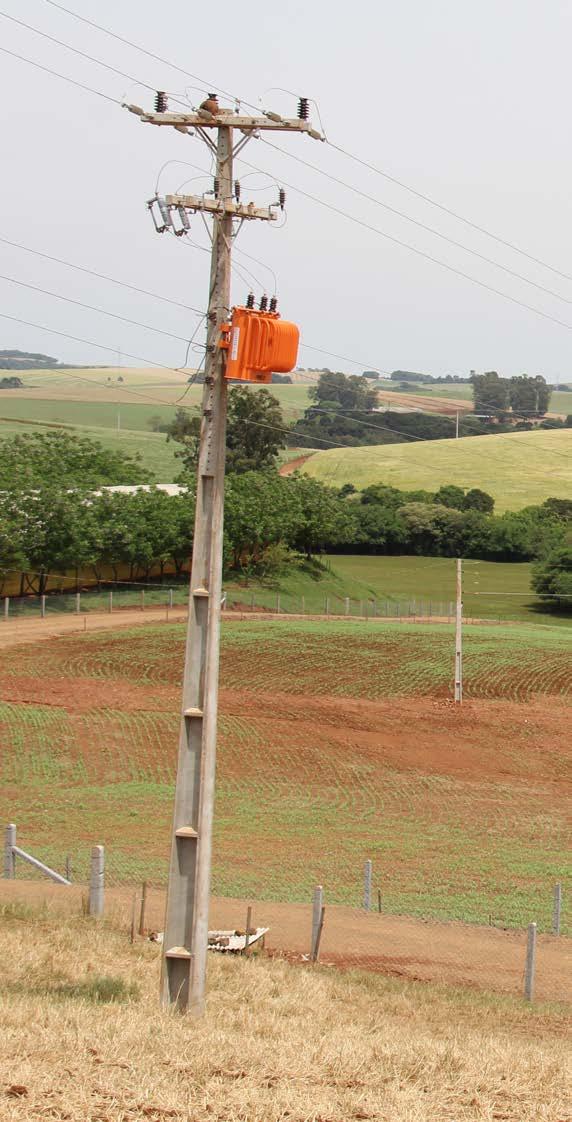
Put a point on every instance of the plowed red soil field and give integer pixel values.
(338, 742)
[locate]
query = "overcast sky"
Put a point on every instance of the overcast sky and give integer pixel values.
(467, 103)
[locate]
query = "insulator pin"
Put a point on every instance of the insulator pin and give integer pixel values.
(250, 300)
(160, 101)
(273, 303)
(237, 190)
(263, 303)
(281, 198)
(216, 187)
(303, 108)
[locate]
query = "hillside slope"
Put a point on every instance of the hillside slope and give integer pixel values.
(516, 468)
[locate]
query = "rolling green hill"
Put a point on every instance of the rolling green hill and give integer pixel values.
(516, 468)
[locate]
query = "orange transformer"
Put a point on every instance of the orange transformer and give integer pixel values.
(259, 344)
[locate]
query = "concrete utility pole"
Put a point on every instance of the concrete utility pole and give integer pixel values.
(459, 634)
(183, 976)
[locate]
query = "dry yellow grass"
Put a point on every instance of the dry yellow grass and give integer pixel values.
(277, 1043)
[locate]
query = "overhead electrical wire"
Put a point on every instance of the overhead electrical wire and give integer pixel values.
(335, 147)
(101, 276)
(447, 210)
(416, 222)
(56, 74)
(93, 308)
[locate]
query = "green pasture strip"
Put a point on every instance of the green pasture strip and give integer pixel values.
(491, 589)
(517, 469)
(157, 455)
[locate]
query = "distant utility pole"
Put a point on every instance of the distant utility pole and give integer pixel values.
(459, 634)
(183, 976)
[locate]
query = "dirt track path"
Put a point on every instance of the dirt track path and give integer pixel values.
(453, 954)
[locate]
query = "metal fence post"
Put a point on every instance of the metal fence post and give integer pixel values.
(9, 856)
(77, 602)
(43, 607)
(557, 909)
(96, 883)
(367, 885)
(530, 965)
(317, 905)
(6, 607)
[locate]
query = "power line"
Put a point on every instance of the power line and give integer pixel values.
(93, 308)
(101, 276)
(56, 74)
(150, 54)
(416, 222)
(75, 51)
(418, 252)
(447, 210)
(91, 343)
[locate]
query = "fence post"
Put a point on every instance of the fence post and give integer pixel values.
(347, 605)
(96, 883)
(6, 607)
(530, 965)
(43, 606)
(327, 605)
(277, 603)
(170, 597)
(303, 605)
(361, 607)
(9, 857)
(143, 907)
(142, 599)
(317, 905)
(557, 909)
(77, 603)
(367, 885)
(110, 599)
(68, 867)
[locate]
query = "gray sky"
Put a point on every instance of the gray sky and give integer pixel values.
(467, 103)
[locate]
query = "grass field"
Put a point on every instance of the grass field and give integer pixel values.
(84, 1038)
(337, 742)
(516, 468)
(157, 456)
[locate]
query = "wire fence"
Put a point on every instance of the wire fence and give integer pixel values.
(161, 599)
(532, 959)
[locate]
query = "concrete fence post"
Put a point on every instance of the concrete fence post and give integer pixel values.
(277, 603)
(110, 599)
(557, 912)
(303, 605)
(96, 883)
(347, 605)
(77, 603)
(170, 597)
(367, 885)
(530, 964)
(6, 607)
(327, 605)
(142, 599)
(9, 856)
(43, 606)
(317, 905)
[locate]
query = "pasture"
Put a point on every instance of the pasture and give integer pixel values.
(337, 741)
(517, 469)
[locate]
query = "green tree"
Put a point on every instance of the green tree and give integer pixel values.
(61, 459)
(529, 395)
(255, 430)
(475, 499)
(490, 393)
(552, 578)
(451, 496)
